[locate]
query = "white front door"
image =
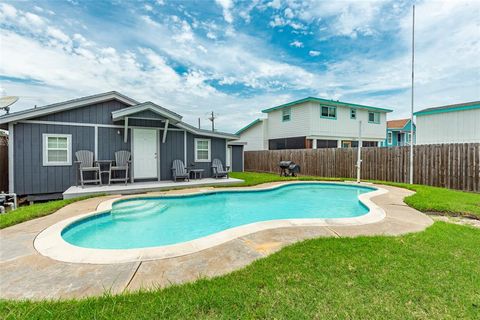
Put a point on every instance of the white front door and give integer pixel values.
(145, 153)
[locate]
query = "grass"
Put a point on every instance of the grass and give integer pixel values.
(426, 199)
(434, 274)
(25, 213)
(441, 200)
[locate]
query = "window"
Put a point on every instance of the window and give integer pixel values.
(353, 113)
(328, 112)
(326, 144)
(202, 150)
(57, 149)
(369, 144)
(286, 114)
(389, 138)
(287, 143)
(374, 117)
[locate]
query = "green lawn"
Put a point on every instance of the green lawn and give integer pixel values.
(427, 199)
(429, 275)
(25, 213)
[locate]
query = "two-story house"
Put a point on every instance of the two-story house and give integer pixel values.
(398, 133)
(312, 123)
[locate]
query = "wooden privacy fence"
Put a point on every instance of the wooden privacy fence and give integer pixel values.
(3, 167)
(454, 166)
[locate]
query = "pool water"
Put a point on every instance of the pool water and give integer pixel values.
(150, 222)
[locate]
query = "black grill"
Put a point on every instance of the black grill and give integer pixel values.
(288, 168)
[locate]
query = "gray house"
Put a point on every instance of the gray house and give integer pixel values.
(43, 141)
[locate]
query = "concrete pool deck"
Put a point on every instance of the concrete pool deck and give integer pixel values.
(26, 274)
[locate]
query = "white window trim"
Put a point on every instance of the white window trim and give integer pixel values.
(375, 113)
(209, 150)
(47, 163)
(286, 112)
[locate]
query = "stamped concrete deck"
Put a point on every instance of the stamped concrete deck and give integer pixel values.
(24, 273)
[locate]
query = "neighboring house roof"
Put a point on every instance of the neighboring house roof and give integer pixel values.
(251, 124)
(327, 102)
(134, 107)
(397, 124)
(450, 108)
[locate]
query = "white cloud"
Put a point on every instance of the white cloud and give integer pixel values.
(211, 35)
(148, 7)
(279, 21)
(288, 13)
(447, 65)
(297, 44)
(8, 11)
(226, 7)
(275, 4)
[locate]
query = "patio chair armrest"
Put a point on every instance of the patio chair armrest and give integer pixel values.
(228, 167)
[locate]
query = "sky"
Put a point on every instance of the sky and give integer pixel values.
(239, 57)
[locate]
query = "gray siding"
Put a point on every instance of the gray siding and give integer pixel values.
(100, 113)
(172, 149)
(148, 114)
(218, 145)
(109, 142)
(237, 158)
(31, 177)
(145, 123)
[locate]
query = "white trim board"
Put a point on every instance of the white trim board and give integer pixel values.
(45, 161)
(67, 105)
(119, 114)
(82, 124)
(209, 141)
(11, 144)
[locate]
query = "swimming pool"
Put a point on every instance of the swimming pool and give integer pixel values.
(168, 220)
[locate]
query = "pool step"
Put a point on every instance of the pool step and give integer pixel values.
(137, 208)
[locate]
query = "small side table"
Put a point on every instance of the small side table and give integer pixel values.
(105, 168)
(197, 173)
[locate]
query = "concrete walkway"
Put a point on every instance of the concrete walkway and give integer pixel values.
(24, 273)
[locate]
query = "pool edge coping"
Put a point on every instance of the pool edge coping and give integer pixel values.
(50, 242)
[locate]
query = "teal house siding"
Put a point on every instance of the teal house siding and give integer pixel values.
(398, 135)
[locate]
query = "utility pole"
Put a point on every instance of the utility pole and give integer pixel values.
(359, 150)
(212, 119)
(411, 111)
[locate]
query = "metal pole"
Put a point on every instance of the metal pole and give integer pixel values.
(411, 111)
(213, 122)
(359, 150)
(199, 123)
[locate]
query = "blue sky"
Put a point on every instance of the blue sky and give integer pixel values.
(239, 57)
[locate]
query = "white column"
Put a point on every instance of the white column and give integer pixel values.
(339, 143)
(11, 144)
(185, 147)
(96, 143)
(314, 143)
